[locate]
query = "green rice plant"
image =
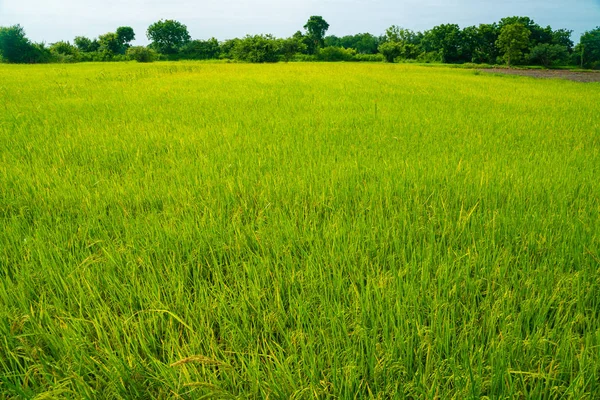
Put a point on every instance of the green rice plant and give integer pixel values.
(195, 230)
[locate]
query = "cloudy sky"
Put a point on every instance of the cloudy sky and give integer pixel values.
(53, 20)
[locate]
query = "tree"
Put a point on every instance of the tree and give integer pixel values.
(513, 39)
(126, 35)
(65, 49)
(289, 47)
(446, 40)
(86, 45)
(16, 48)
(563, 38)
(547, 55)
(399, 43)
(589, 48)
(168, 37)
(316, 27)
(256, 49)
(201, 49)
(110, 44)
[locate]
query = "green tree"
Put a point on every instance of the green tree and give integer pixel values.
(109, 44)
(16, 48)
(547, 55)
(513, 40)
(316, 27)
(86, 45)
(202, 49)
(125, 35)
(64, 52)
(589, 48)
(168, 37)
(289, 47)
(446, 40)
(256, 49)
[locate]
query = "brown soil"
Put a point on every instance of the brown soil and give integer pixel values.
(552, 74)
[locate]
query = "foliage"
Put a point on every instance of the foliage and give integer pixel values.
(335, 54)
(86, 45)
(168, 36)
(513, 40)
(125, 35)
(110, 44)
(316, 27)
(589, 48)
(141, 54)
(288, 48)
(548, 55)
(201, 50)
(446, 40)
(16, 48)
(256, 49)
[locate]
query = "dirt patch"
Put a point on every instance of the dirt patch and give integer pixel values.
(549, 74)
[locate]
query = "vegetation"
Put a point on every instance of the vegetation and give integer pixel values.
(495, 43)
(196, 230)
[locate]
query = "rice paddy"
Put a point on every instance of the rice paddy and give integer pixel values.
(197, 230)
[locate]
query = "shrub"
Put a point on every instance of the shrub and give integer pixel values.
(256, 49)
(369, 57)
(141, 54)
(335, 54)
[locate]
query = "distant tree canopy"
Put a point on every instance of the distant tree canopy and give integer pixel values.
(16, 48)
(589, 49)
(316, 27)
(512, 40)
(168, 37)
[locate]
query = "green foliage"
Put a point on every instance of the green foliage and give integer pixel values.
(168, 36)
(363, 43)
(110, 44)
(288, 48)
(589, 49)
(64, 52)
(298, 231)
(86, 45)
(391, 50)
(126, 35)
(335, 54)
(446, 40)
(16, 48)
(548, 55)
(256, 49)
(513, 40)
(141, 54)
(201, 50)
(316, 27)
(399, 43)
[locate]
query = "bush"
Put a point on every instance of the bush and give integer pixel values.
(141, 54)
(256, 49)
(201, 50)
(430, 57)
(335, 54)
(369, 57)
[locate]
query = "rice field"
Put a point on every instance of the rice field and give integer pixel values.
(198, 230)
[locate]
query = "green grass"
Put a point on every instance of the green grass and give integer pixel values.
(297, 230)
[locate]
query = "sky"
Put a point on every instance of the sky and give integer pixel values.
(53, 20)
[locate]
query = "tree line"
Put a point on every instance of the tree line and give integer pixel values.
(512, 40)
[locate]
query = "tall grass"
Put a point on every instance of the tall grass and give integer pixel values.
(297, 231)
